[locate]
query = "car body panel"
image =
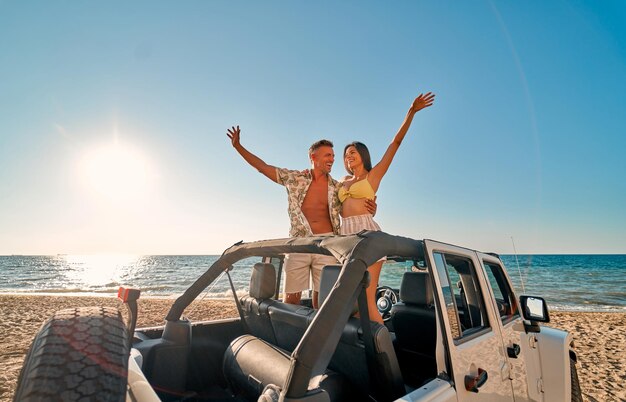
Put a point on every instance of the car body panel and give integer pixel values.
(436, 390)
(524, 370)
(483, 351)
(553, 347)
(139, 389)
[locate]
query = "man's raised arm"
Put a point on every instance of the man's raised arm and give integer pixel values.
(268, 170)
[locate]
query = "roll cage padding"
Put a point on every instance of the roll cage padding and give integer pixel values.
(354, 252)
(316, 347)
(266, 248)
(313, 353)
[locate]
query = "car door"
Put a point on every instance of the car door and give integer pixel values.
(521, 347)
(475, 345)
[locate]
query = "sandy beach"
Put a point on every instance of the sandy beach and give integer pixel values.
(600, 338)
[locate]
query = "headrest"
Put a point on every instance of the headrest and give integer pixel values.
(263, 281)
(416, 288)
(328, 277)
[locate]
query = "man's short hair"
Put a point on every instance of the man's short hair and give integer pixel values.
(320, 143)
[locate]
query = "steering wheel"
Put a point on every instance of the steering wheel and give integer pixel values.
(386, 297)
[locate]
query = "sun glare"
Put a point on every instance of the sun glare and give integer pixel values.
(117, 172)
(98, 270)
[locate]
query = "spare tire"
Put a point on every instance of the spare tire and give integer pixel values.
(78, 354)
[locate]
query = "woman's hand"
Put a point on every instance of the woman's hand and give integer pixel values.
(422, 101)
(233, 134)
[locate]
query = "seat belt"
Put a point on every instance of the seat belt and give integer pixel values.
(368, 338)
(244, 324)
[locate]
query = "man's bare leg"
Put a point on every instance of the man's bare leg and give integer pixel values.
(293, 298)
(315, 299)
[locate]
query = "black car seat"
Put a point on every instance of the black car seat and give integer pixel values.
(415, 326)
(256, 304)
(350, 358)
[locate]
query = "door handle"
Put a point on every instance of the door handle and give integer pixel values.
(513, 351)
(472, 383)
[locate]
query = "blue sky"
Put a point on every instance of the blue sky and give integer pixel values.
(525, 140)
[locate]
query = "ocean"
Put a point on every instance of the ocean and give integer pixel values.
(567, 282)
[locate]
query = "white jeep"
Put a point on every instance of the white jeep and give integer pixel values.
(454, 331)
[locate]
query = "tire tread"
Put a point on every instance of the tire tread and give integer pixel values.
(78, 354)
(576, 393)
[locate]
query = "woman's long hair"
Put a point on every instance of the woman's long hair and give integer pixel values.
(363, 152)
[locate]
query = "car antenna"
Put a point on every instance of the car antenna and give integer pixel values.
(518, 269)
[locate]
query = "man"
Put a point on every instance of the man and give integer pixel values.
(313, 210)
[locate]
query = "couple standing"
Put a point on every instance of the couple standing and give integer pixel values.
(316, 201)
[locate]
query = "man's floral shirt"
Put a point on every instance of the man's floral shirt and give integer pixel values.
(297, 183)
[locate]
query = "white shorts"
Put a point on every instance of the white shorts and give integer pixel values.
(354, 224)
(300, 268)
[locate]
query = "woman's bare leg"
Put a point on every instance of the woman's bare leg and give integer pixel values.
(374, 271)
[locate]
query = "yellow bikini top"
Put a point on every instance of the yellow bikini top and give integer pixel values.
(359, 189)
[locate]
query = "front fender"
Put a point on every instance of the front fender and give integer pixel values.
(554, 355)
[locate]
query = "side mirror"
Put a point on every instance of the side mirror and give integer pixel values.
(534, 309)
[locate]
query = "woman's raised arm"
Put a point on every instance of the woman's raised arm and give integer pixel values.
(378, 171)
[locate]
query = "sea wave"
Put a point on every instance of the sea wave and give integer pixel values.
(567, 282)
(595, 308)
(227, 294)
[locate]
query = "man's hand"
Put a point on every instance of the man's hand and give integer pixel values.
(422, 101)
(233, 134)
(371, 206)
(268, 171)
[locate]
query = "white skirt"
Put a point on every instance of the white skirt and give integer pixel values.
(354, 224)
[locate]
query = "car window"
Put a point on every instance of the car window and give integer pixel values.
(464, 302)
(504, 297)
(448, 296)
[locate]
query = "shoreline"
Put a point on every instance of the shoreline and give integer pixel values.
(578, 309)
(599, 337)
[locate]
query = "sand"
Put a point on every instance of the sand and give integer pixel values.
(600, 338)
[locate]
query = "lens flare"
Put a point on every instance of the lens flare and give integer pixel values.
(116, 172)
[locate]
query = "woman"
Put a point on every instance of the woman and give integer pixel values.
(363, 183)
